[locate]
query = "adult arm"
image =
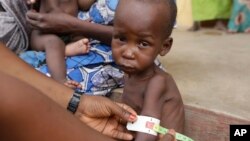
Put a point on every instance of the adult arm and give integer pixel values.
(64, 23)
(28, 115)
(15, 67)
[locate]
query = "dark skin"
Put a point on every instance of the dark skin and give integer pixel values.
(32, 88)
(137, 40)
(22, 120)
(65, 23)
(84, 5)
(52, 44)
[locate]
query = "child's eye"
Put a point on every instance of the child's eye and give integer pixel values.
(143, 44)
(120, 38)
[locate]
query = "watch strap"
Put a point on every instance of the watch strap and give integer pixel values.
(74, 102)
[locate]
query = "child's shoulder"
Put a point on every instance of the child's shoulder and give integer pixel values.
(161, 75)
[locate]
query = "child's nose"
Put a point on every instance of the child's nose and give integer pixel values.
(128, 53)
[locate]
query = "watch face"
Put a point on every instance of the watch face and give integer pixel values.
(74, 102)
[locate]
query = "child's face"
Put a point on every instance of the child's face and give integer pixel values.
(138, 36)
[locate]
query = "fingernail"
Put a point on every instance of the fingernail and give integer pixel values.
(130, 137)
(132, 117)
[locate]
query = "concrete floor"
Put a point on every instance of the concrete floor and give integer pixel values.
(212, 70)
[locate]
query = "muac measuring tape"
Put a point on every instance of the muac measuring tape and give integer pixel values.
(152, 126)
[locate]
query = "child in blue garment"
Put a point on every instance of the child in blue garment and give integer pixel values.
(55, 44)
(96, 70)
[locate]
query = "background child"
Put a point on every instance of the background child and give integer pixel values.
(142, 30)
(96, 70)
(54, 45)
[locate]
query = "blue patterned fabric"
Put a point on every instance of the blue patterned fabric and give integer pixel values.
(101, 12)
(95, 71)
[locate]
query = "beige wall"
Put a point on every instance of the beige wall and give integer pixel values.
(184, 16)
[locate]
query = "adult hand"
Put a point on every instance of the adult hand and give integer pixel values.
(55, 22)
(105, 116)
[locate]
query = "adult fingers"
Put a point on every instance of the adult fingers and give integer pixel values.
(34, 19)
(33, 15)
(32, 23)
(121, 134)
(125, 112)
(127, 108)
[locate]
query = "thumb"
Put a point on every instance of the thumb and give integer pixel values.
(121, 135)
(125, 112)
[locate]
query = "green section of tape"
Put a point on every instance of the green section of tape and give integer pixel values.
(178, 136)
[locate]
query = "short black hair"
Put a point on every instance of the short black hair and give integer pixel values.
(173, 14)
(171, 6)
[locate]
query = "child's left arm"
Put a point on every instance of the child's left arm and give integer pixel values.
(172, 116)
(163, 101)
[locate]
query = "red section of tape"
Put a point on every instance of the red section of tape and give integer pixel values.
(150, 125)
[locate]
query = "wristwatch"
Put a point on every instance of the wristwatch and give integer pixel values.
(74, 102)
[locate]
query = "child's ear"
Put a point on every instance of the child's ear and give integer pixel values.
(166, 46)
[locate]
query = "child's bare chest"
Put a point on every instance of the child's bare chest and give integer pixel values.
(133, 95)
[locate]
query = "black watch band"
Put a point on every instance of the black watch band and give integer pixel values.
(74, 102)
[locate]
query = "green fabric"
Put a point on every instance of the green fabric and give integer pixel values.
(204, 10)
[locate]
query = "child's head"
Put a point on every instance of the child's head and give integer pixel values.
(141, 32)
